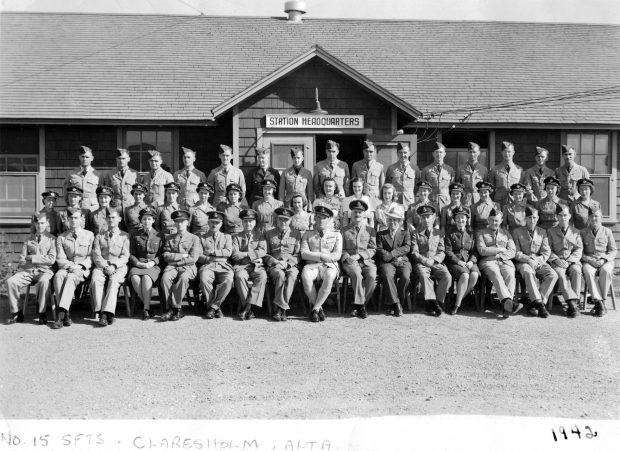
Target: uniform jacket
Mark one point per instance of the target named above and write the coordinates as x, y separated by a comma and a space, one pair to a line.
164, 222
425, 248
388, 249
199, 221
221, 177
265, 208
216, 249
188, 195
97, 221
42, 251
296, 182
335, 204
414, 219
144, 247
345, 212
469, 175
534, 246
121, 186
487, 245
232, 222
362, 242
70, 249
178, 244
460, 246
53, 216
502, 180
567, 247
534, 180
404, 182
579, 212
88, 183
155, 182
546, 210
111, 249
513, 215
340, 173
568, 180
282, 246
132, 218
599, 245
440, 179
313, 246
248, 247
446, 221
256, 177
480, 213
64, 220
373, 176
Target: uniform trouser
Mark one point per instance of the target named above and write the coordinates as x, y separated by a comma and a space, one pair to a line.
437, 272
41, 279
65, 284
258, 276
283, 285
599, 290
363, 280
501, 275
105, 300
570, 281
223, 279
175, 282
400, 270
318, 271
547, 276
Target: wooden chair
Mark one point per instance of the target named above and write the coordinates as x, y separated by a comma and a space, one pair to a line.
584, 299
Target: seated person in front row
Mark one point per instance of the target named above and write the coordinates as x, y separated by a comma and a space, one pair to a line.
216, 249
282, 260
110, 258
358, 248
320, 249
393, 247
145, 248
427, 254
249, 248
461, 257
73, 257
532, 253
180, 252
34, 268
496, 249
599, 253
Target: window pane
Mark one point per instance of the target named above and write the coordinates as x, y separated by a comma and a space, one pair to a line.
458, 157
133, 141
587, 144
588, 162
31, 164
572, 140
144, 162
19, 140
17, 195
602, 193
164, 141
281, 155
149, 140
601, 145
2, 164
14, 164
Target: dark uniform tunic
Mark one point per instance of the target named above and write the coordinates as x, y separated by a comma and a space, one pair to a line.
546, 211
145, 247
579, 212
480, 214
132, 218
164, 222
513, 216
255, 188
232, 222
198, 222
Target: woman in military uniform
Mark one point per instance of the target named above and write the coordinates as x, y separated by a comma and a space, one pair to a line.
163, 221
386, 195
132, 213
580, 207
232, 209
74, 199
302, 219
266, 204
414, 220
330, 198
98, 222
446, 221
481, 209
514, 211
199, 221
548, 206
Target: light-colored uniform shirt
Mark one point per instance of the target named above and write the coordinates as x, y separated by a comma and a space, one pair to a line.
339, 171
469, 175
155, 182
121, 187
188, 180
404, 180
221, 177
75, 249
534, 180
111, 249
502, 180
294, 181
373, 175
568, 180
440, 177
88, 183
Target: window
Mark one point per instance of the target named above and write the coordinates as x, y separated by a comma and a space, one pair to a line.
456, 157
19, 172
139, 142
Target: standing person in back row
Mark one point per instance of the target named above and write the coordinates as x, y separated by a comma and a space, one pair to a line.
440, 176
297, 180
333, 168
569, 174
534, 177
505, 174
262, 171
403, 176
122, 182
370, 171
224, 175
156, 180
85, 178
188, 178
470, 173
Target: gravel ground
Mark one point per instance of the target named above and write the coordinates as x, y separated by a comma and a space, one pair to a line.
472, 363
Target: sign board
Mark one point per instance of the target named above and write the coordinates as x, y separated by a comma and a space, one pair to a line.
314, 121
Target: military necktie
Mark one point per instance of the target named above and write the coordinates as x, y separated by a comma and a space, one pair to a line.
508, 169
427, 233
74, 235
540, 171
438, 169
187, 174
38, 238
84, 172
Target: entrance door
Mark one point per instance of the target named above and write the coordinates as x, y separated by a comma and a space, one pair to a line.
280, 146
350, 147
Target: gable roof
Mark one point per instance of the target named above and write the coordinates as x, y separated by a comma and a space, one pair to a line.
182, 68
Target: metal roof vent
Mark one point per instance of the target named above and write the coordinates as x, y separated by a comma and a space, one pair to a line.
295, 9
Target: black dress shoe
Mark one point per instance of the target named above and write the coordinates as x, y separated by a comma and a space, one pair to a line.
176, 315
599, 309
250, 315
362, 313
533, 311
572, 311
218, 313
453, 309
42, 318
57, 324
166, 316
277, 316
20, 317
542, 311
314, 316
111, 318
398, 310
103, 320
145, 315
283, 315
67, 321
12, 319
322, 314
210, 314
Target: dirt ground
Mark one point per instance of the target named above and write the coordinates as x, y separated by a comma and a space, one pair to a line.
472, 363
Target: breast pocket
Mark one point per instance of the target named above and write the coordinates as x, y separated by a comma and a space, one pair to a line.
152, 246
82, 250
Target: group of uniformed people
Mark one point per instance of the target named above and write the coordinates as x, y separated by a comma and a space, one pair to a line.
172, 229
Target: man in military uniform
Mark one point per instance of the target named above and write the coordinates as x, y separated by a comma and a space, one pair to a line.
180, 252
334, 168
321, 249
534, 177
565, 259
497, 249
86, 178
34, 268
188, 179
414, 220
481, 209
261, 172
505, 174
568, 174
164, 222
74, 199
53, 216
110, 258
122, 182
359, 244
232, 209
428, 254
369, 170
393, 247
548, 205
249, 248
532, 252
599, 253
282, 260
470, 173
265, 205
73, 257
439, 175
296, 179
215, 269
156, 180
403, 176
198, 223
132, 213
97, 219
225, 174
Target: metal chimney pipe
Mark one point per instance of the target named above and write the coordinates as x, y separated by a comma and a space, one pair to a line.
295, 9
